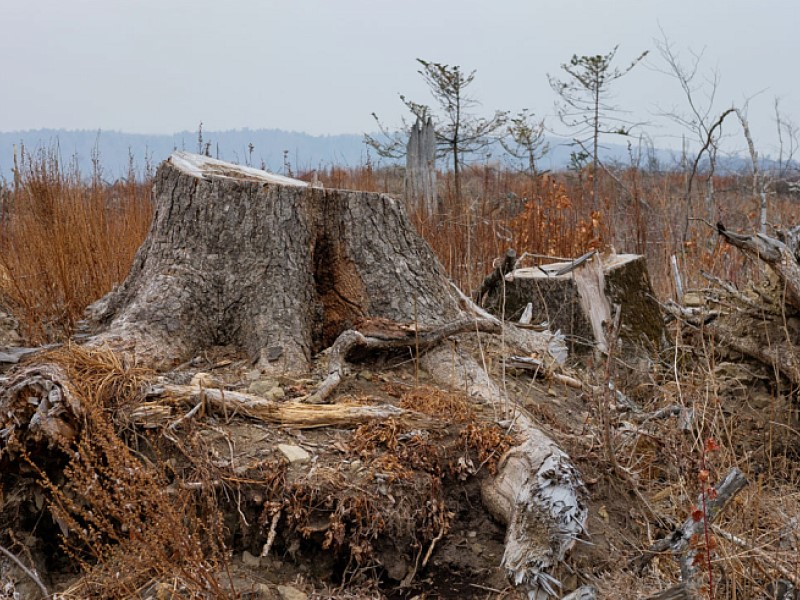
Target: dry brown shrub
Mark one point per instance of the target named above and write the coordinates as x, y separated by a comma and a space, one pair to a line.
443, 404
121, 520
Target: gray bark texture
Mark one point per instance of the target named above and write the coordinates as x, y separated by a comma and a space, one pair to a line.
421, 167
237, 256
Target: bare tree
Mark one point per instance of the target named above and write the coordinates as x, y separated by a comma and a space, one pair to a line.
585, 106
458, 131
525, 140
700, 116
787, 140
760, 179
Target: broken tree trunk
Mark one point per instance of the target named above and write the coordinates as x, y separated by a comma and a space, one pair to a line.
578, 298
421, 167
538, 494
238, 256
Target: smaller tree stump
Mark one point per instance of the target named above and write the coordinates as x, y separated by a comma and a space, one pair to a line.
580, 301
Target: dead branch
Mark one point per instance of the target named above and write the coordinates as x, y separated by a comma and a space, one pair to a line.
493, 279
773, 252
293, 414
415, 340
29, 572
680, 541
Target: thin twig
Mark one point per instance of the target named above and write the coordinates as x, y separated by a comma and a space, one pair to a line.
34, 577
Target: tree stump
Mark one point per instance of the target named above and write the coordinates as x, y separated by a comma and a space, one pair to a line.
238, 256
579, 299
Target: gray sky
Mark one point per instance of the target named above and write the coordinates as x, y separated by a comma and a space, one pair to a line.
322, 66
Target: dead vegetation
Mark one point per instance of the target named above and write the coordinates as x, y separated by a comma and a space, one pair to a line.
156, 488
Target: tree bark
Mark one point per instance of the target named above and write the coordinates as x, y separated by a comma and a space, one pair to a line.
237, 256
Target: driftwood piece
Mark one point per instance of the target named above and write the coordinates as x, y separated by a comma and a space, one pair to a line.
291, 414
680, 542
537, 493
415, 341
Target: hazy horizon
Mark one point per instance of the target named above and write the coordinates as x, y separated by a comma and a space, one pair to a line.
147, 67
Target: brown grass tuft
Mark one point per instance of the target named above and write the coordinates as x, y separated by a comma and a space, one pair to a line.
64, 243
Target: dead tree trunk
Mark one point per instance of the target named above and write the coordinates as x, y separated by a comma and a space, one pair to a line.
421, 167
237, 256
761, 321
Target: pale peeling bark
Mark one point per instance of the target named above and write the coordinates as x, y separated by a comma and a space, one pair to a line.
537, 493
236, 256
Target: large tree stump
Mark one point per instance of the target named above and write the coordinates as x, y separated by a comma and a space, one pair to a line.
579, 299
238, 256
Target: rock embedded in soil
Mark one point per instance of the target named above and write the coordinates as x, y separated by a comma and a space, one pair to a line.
288, 592
294, 454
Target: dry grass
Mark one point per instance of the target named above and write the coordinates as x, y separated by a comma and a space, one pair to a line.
64, 243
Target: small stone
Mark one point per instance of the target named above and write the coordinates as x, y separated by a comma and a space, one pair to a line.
294, 454
248, 560
202, 379
288, 592
264, 591
276, 393
262, 387
476, 549
253, 375
570, 581
472, 534
365, 375
603, 513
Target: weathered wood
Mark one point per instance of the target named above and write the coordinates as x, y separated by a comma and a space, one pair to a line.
679, 543
493, 279
239, 256
537, 493
420, 182
578, 300
374, 341
780, 258
298, 415
586, 592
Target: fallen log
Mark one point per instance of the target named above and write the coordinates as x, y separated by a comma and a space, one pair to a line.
777, 255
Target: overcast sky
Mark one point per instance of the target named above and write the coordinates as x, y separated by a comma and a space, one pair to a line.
322, 66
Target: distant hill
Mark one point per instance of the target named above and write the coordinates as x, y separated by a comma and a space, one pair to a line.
302, 151
271, 148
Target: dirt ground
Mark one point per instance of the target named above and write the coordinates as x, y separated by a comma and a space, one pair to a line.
390, 510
